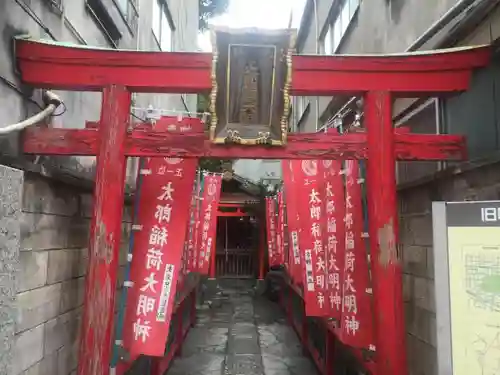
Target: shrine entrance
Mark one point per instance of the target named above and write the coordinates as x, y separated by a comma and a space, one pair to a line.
251, 77
238, 249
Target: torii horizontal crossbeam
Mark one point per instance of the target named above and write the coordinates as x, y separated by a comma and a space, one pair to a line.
147, 143
52, 65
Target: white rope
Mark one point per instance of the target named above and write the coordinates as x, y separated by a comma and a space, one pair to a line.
54, 101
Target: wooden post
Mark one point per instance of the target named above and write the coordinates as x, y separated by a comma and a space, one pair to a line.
383, 228
105, 234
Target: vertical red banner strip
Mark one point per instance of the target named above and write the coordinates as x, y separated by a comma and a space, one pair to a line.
208, 221
292, 221
310, 196
196, 231
271, 231
158, 248
192, 225
334, 235
357, 319
280, 228
159, 244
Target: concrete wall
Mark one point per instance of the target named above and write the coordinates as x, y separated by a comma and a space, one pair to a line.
385, 26
53, 260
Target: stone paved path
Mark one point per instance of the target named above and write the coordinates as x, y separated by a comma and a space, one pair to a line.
241, 335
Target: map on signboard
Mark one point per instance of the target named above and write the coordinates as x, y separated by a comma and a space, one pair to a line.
474, 272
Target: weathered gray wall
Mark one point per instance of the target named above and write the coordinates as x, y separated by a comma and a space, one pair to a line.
380, 26
385, 26
55, 222
11, 183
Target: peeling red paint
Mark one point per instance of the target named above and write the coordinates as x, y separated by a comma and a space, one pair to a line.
387, 243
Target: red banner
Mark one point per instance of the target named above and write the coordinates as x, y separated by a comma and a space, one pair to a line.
193, 227
334, 234
160, 221
280, 230
357, 325
208, 221
292, 221
158, 247
195, 250
310, 196
271, 231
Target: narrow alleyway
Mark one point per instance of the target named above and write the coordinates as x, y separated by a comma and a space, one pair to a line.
238, 333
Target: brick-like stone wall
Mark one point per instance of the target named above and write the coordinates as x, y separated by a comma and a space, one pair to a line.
53, 261
479, 183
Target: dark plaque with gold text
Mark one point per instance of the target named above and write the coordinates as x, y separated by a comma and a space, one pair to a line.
251, 79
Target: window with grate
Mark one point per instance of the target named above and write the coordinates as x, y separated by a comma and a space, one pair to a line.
162, 25
99, 12
425, 119
55, 5
338, 25
128, 10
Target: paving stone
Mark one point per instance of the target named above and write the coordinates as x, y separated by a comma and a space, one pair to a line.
244, 364
241, 335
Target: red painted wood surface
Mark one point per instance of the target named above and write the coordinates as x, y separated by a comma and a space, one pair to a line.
72, 68
383, 228
410, 75
83, 142
89, 69
105, 235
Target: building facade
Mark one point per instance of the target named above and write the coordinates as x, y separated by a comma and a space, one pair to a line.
389, 26
57, 191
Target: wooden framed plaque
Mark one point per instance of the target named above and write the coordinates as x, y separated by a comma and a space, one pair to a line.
251, 78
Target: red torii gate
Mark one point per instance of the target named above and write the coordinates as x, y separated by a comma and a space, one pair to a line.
118, 73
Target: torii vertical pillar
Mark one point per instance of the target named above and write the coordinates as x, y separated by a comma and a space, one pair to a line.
382, 211
105, 234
